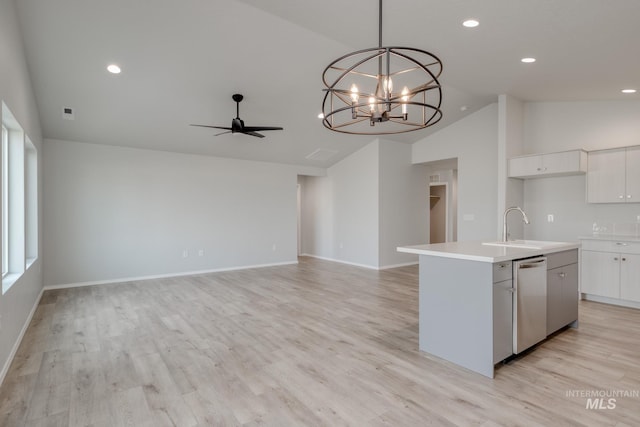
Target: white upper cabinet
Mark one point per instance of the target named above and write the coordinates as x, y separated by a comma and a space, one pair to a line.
613, 176
551, 164
633, 174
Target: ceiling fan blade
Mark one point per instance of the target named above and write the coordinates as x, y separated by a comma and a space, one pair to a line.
261, 128
252, 133
214, 127
222, 133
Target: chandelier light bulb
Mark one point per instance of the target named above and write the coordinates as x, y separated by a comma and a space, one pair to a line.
388, 86
354, 93
372, 103
405, 99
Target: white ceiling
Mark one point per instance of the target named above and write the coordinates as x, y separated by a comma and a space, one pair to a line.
182, 61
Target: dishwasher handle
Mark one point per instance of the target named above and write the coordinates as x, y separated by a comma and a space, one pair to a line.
533, 264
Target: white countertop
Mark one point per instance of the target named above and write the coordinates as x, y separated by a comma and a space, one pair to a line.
611, 237
476, 251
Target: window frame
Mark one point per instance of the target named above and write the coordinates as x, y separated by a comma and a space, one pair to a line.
5, 200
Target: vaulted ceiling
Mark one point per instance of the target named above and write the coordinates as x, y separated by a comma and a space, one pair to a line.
182, 60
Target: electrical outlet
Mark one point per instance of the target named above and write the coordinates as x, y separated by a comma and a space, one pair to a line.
550, 218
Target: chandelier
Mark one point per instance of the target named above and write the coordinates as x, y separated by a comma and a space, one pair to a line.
361, 90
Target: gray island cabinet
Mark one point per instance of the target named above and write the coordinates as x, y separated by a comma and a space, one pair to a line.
467, 303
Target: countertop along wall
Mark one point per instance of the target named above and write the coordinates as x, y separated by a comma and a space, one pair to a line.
560, 126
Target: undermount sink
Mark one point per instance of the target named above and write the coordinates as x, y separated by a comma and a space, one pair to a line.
524, 244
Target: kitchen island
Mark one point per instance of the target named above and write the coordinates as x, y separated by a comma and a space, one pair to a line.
468, 300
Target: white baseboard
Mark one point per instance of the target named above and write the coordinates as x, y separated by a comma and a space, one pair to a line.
406, 264
613, 301
14, 350
163, 276
370, 267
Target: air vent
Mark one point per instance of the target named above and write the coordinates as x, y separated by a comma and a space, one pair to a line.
434, 178
67, 113
321, 154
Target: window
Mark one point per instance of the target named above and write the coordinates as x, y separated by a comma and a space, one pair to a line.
5, 200
19, 200
31, 202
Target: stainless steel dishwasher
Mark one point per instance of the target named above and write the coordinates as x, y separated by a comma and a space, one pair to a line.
529, 302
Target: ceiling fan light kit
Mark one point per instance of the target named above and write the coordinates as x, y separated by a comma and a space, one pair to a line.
237, 124
394, 86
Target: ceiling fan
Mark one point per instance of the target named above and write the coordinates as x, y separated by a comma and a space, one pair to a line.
237, 124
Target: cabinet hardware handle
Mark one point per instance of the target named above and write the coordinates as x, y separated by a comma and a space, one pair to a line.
563, 275
621, 244
628, 196
624, 259
621, 197
615, 258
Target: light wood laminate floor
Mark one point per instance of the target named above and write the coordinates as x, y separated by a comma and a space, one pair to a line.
314, 344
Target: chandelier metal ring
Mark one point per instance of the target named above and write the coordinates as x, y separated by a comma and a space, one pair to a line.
359, 90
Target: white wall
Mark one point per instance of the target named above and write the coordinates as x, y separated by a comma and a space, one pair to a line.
559, 126
15, 90
450, 177
404, 203
368, 204
355, 210
317, 216
474, 142
114, 213
510, 144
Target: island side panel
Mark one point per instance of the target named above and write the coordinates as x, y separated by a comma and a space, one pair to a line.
455, 311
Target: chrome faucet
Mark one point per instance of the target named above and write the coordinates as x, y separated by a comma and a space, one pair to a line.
505, 235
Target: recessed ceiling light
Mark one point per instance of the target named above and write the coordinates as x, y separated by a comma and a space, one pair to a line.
471, 23
628, 91
114, 69
528, 60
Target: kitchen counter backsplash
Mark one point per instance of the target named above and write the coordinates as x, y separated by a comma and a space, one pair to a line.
616, 228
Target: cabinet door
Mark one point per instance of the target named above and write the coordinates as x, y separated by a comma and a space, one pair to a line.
630, 277
562, 297
569, 310
502, 320
606, 176
525, 166
601, 274
562, 163
633, 175
554, 300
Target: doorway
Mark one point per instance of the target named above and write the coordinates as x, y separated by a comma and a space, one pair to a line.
438, 212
